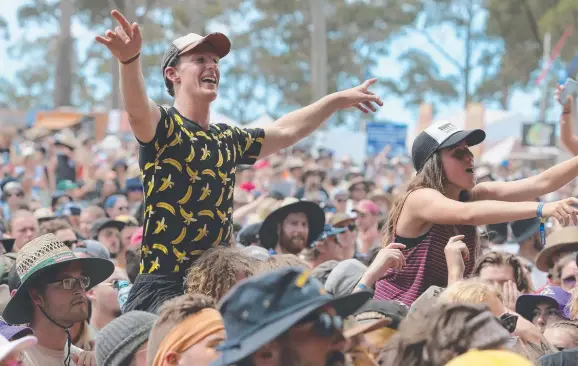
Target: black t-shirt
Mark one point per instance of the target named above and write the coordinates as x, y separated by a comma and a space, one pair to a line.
188, 179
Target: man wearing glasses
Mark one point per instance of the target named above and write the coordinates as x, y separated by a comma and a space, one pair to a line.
52, 298
285, 317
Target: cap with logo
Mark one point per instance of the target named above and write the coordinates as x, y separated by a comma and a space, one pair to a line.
552, 295
179, 46
441, 135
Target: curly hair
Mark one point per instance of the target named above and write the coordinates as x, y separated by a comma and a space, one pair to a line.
217, 271
441, 333
174, 312
279, 261
505, 259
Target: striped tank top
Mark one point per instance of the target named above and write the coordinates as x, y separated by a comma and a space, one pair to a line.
425, 264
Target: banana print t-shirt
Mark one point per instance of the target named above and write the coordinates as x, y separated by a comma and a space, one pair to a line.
188, 178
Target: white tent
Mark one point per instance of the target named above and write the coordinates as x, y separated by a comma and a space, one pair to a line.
263, 120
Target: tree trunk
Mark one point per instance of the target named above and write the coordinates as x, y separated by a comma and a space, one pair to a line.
63, 79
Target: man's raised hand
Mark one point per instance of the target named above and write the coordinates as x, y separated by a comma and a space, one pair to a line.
125, 41
359, 97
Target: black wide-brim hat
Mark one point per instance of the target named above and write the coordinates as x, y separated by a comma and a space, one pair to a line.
34, 259
315, 218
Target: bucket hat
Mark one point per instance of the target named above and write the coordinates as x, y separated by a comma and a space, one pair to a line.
563, 239
261, 308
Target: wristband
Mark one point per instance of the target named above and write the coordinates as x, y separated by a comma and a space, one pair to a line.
132, 59
542, 223
362, 287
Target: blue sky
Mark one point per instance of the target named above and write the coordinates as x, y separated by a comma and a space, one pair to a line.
392, 110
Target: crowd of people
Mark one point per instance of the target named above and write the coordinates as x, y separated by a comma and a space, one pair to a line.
199, 243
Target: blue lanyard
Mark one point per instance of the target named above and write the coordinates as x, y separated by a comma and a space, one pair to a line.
542, 224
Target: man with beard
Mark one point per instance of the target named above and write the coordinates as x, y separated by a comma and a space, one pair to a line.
52, 298
292, 227
285, 318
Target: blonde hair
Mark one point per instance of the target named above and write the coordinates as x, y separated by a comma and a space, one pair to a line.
471, 291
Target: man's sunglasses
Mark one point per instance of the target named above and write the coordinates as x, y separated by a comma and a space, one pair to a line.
350, 227
324, 324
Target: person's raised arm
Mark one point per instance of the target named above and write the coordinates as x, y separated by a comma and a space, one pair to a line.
125, 44
529, 188
429, 205
567, 137
293, 127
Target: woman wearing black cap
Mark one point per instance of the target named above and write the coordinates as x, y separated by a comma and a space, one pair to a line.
443, 201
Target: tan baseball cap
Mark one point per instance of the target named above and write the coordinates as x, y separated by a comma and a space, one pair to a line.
184, 44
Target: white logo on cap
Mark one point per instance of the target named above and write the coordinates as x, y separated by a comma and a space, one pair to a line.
441, 131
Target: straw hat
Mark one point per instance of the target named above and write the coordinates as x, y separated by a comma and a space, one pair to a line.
35, 258
563, 240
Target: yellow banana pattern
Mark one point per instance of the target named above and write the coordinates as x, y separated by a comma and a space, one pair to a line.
167, 207
161, 247
186, 197
174, 163
188, 180
179, 239
167, 184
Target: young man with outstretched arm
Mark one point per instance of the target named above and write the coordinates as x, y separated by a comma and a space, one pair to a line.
188, 164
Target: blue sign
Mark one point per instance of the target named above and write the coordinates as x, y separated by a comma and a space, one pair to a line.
382, 133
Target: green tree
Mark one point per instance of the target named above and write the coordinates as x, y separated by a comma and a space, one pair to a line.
273, 48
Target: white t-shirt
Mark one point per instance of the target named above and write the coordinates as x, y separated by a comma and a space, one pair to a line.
40, 356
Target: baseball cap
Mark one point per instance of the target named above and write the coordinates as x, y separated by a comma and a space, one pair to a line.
366, 207
441, 135
553, 295
187, 43
102, 223
330, 230
249, 234
92, 248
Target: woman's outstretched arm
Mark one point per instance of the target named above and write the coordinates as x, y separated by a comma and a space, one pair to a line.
430, 206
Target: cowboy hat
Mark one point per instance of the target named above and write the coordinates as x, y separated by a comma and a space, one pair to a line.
315, 218
562, 240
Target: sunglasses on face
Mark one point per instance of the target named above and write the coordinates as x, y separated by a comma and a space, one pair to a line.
569, 281
324, 324
71, 283
462, 154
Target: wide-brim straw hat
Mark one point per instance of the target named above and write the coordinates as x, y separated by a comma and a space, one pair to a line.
34, 259
562, 240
